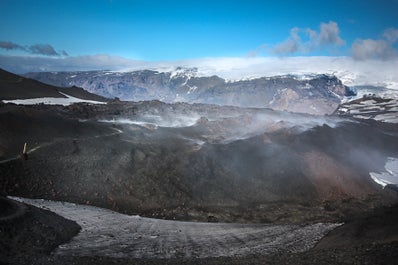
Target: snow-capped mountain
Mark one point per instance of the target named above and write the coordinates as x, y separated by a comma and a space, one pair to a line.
316, 94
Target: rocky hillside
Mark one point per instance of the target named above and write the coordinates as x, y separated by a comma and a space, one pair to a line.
13, 87
17, 87
318, 94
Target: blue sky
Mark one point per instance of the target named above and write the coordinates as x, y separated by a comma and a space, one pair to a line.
58, 35
173, 30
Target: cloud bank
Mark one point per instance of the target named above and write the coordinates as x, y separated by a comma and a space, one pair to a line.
307, 40
383, 48
39, 49
8, 45
24, 64
391, 35
350, 71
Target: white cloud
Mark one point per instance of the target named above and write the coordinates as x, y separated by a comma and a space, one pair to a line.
290, 45
391, 35
329, 34
377, 49
257, 51
306, 40
373, 49
287, 47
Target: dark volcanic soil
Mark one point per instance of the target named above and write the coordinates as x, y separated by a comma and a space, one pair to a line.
366, 239
204, 163
233, 165
26, 231
379, 254
38, 126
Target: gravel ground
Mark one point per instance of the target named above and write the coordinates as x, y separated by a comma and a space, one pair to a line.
110, 234
383, 254
283, 177
367, 239
31, 232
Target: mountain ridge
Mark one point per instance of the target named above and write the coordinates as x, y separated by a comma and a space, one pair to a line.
314, 94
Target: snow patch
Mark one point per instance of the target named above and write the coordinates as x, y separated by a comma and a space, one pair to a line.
390, 176
52, 101
184, 72
192, 89
155, 121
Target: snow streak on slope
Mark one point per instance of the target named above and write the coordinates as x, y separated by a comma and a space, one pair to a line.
52, 101
174, 121
390, 176
111, 234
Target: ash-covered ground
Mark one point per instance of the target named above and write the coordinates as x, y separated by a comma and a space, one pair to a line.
110, 234
198, 162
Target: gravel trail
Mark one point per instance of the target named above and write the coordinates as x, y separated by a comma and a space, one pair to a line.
110, 234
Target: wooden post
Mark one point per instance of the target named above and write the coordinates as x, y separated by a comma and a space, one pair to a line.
24, 152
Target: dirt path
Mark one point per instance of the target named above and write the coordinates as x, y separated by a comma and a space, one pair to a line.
29, 151
111, 234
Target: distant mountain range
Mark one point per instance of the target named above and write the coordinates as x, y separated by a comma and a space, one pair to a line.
316, 94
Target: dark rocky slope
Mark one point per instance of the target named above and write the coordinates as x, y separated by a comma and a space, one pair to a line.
18, 87
37, 126
27, 232
232, 165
